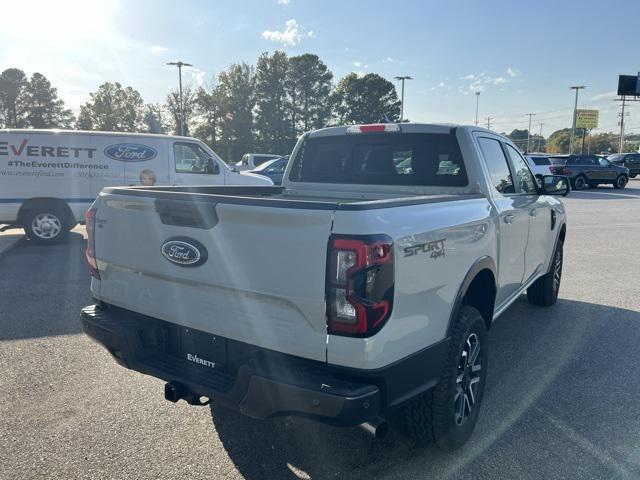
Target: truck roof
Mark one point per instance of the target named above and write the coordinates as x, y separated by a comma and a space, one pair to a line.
55, 131
408, 127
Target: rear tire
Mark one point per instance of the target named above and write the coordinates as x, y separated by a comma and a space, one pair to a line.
544, 291
46, 225
579, 183
446, 415
620, 182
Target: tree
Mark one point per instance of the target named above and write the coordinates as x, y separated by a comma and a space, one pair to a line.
558, 141
153, 119
272, 106
188, 108
235, 96
12, 82
365, 99
41, 107
208, 109
309, 88
536, 142
112, 108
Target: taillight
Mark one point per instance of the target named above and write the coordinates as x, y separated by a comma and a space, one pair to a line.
90, 253
360, 282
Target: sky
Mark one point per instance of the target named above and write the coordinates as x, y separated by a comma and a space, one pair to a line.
521, 56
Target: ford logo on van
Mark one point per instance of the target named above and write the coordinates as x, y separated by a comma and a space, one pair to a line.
184, 251
130, 152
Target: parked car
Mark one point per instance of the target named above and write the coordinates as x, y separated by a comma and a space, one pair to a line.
539, 164
252, 160
358, 289
629, 160
589, 170
48, 178
274, 169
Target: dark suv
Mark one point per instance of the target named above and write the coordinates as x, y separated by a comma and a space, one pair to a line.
629, 160
590, 170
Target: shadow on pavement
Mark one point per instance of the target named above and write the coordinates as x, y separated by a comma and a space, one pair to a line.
554, 393
42, 289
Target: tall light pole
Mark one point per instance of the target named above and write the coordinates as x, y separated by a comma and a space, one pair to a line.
402, 78
180, 64
575, 113
531, 115
477, 104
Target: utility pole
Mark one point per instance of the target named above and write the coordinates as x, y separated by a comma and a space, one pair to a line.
540, 137
529, 131
402, 78
575, 113
621, 144
180, 64
477, 104
488, 123
584, 132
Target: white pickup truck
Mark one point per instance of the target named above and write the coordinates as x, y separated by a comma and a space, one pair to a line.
364, 285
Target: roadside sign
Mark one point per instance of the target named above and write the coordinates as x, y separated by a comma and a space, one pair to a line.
587, 118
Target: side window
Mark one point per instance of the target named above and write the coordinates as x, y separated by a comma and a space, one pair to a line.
524, 178
497, 165
191, 158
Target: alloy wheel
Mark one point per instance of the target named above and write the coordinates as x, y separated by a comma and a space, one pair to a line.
46, 226
557, 270
468, 379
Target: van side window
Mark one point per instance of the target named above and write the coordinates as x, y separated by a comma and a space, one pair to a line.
497, 165
191, 158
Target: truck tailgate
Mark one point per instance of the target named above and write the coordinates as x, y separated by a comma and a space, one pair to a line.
263, 280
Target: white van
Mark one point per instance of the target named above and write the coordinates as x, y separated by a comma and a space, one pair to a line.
48, 178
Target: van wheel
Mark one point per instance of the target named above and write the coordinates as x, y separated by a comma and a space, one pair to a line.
46, 226
620, 182
446, 415
544, 291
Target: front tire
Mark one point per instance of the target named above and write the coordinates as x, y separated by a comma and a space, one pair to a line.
446, 415
544, 291
46, 226
579, 183
620, 182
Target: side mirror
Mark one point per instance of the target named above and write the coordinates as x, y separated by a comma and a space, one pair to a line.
555, 185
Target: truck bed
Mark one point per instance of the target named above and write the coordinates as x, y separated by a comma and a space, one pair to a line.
277, 197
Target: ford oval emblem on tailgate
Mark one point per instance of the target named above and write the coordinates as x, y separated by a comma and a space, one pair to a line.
184, 251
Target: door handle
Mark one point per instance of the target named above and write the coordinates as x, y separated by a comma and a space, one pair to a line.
508, 218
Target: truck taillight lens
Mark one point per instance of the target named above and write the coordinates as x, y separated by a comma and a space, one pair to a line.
90, 219
360, 281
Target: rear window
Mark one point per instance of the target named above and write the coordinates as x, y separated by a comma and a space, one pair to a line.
420, 159
541, 161
260, 159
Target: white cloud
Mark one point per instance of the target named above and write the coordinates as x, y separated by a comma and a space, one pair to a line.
283, 2
388, 60
346, 49
438, 86
311, 34
360, 65
196, 75
289, 36
605, 96
500, 80
158, 49
513, 72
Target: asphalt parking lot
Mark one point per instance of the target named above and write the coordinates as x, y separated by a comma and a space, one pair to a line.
562, 398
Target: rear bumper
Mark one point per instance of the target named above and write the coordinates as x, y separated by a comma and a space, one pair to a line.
262, 383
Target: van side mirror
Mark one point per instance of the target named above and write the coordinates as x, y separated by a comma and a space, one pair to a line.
555, 185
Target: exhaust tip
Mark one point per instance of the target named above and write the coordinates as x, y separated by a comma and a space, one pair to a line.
378, 428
